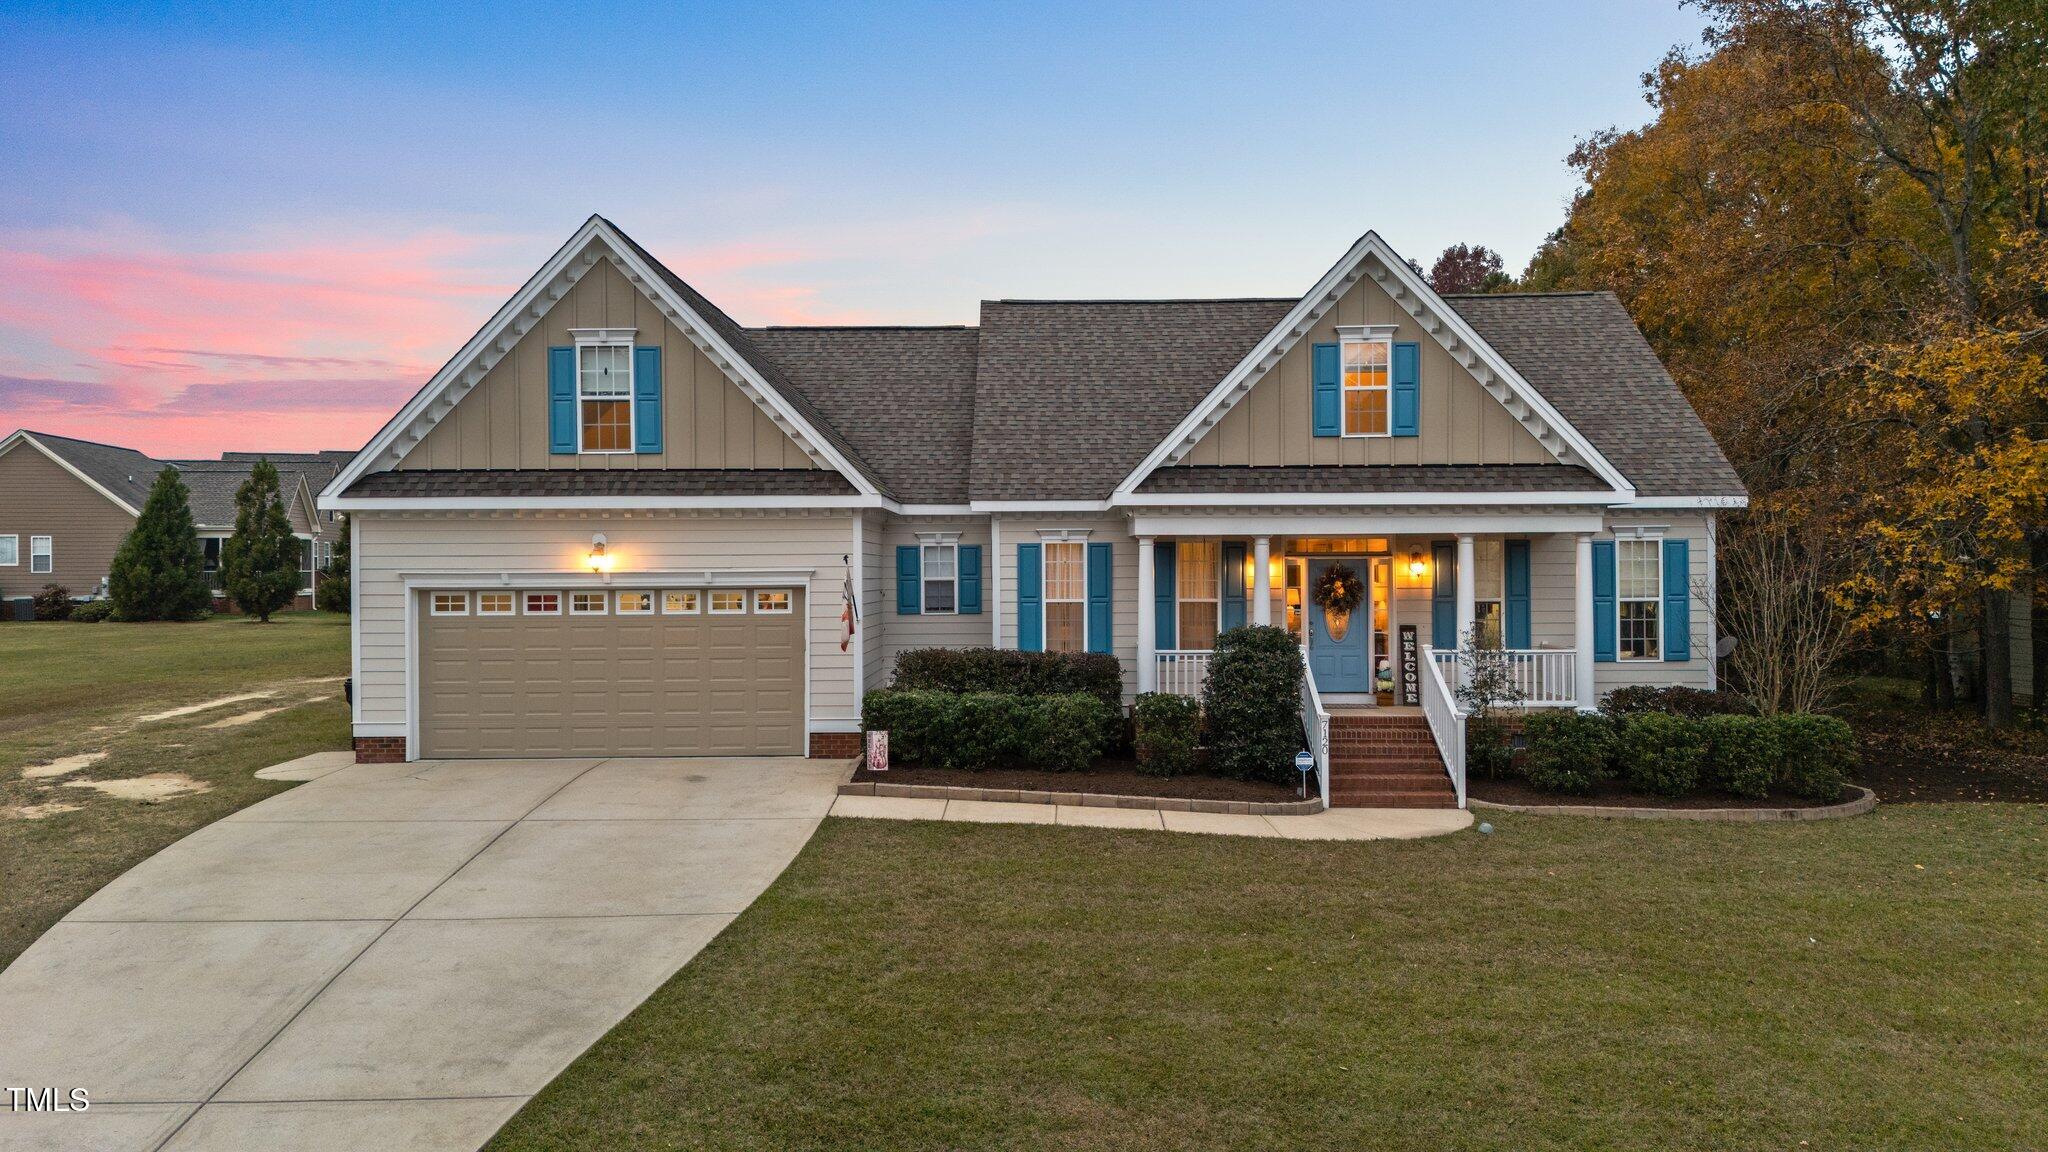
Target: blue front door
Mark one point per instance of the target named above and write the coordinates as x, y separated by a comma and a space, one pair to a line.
1340, 663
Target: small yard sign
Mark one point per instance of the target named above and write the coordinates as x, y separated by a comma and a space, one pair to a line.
1411, 667
878, 751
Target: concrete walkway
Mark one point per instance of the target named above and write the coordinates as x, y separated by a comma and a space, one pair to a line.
389, 956
1335, 824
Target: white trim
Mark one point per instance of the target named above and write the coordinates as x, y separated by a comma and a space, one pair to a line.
1717, 502
856, 563
49, 554
605, 338
1355, 499
14, 546
1449, 329
929, 509
1383, 340
354, 536
937, 540
597, 502
788, 606
25, 437
1642, 534
1039, 506
835, 724
1045, 600
1284, 524
1052, 535
513, 610
552, 579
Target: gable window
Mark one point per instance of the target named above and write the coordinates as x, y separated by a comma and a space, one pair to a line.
941, 580
10, 551
1367, 362
1198, 584
1639, 595
1066, 595
42, 554
604, 396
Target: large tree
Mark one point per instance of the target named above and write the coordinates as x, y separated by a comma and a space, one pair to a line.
260, 563
1468, 268
158, 572
333, 592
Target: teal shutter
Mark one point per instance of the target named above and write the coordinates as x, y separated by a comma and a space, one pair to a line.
1328, 407
970, 579
1443, 597
562, 401
1165, 596
1407, 389
1233, 586
1604, 620
1677, 600
909, 581
1100, 607
1516, 634
1030, 608
646, 399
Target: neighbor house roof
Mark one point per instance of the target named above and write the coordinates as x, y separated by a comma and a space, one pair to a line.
604, 482
122, 471
211, 485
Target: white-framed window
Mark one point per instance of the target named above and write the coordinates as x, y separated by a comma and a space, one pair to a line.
940, 563
543, 603
1066, 596
1197, 578
308, 565
42, 554
1639, 598
1489, 589
1368, 394
727, 602
10, 551
684, 602
604, 394
494, 603
587, 603
772, 601
449, 604
636, 603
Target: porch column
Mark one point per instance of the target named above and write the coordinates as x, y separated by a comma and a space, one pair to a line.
1468, 610
1261, 590
1582, 619
1148, 639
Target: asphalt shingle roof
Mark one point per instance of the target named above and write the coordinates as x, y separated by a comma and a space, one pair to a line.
123, 471
605, 482
212, 484
1521, 478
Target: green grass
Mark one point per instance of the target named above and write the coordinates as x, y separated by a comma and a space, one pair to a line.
1563, 983
71, 688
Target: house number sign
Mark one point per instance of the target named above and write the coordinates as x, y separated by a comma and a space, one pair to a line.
1411, 667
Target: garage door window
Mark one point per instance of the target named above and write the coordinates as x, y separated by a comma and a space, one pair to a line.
772, 602
450, 604
679, 603
636, 603
494, 603
728, 603
543, 603
586, 603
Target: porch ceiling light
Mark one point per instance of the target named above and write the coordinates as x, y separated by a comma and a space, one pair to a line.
1417, 566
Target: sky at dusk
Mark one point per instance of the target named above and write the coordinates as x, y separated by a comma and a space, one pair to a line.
247, 228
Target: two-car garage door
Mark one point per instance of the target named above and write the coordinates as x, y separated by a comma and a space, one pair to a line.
636, 672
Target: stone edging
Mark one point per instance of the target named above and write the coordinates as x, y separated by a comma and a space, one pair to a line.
1085, 799
1864, 802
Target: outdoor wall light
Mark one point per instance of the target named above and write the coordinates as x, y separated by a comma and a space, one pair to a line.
599, 560
1417, 566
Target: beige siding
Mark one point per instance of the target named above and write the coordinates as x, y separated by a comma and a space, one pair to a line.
388, 547
39, 497
1694, 673
1114, 531
930, 630
707, 422
874, 615
1459, 422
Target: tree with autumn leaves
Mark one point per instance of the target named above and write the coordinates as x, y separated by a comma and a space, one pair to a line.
1835, 231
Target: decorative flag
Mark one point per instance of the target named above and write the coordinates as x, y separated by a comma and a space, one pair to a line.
849, 612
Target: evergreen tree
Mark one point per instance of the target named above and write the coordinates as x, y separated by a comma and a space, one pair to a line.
158, 571
260, 563
333, 592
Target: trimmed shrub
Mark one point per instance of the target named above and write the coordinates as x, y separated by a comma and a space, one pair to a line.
1487, 750
1168, 727
1012, 672
1819, 753
1567, 751
54, 603
1661, 753
92, 612
1691, 703
1252, 702
1747, 755
980, 730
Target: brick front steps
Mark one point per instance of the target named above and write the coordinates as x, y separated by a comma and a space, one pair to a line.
1386, 761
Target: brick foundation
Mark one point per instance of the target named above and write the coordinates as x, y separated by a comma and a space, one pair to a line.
380, 749
831, 745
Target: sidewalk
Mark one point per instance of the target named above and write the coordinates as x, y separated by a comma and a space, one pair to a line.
1335, 824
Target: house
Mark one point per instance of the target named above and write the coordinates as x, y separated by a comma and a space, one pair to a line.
618, 522
66, 505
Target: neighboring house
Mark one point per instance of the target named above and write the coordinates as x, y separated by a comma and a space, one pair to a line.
619, 523
66, 505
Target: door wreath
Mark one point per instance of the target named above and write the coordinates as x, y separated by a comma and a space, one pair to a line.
1339, 592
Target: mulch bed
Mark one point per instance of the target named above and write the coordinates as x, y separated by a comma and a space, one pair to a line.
1111, 778
1612, 795
1914, 756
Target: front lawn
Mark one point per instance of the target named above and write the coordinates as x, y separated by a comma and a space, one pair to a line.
69, 689
1564, 983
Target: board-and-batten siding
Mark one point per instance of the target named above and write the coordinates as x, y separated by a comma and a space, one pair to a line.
929, 630
1115, 531
39, 497
1459, 422
389, 547
707, 422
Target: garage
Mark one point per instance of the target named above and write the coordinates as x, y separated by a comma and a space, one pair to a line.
600, 672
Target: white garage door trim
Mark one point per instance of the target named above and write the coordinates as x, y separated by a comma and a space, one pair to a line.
415, 583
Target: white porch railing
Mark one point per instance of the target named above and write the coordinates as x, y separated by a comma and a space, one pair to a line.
1315, 721
1544, 677
1183, 671
1446, 721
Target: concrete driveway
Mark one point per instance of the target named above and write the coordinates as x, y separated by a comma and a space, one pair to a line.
391, 956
